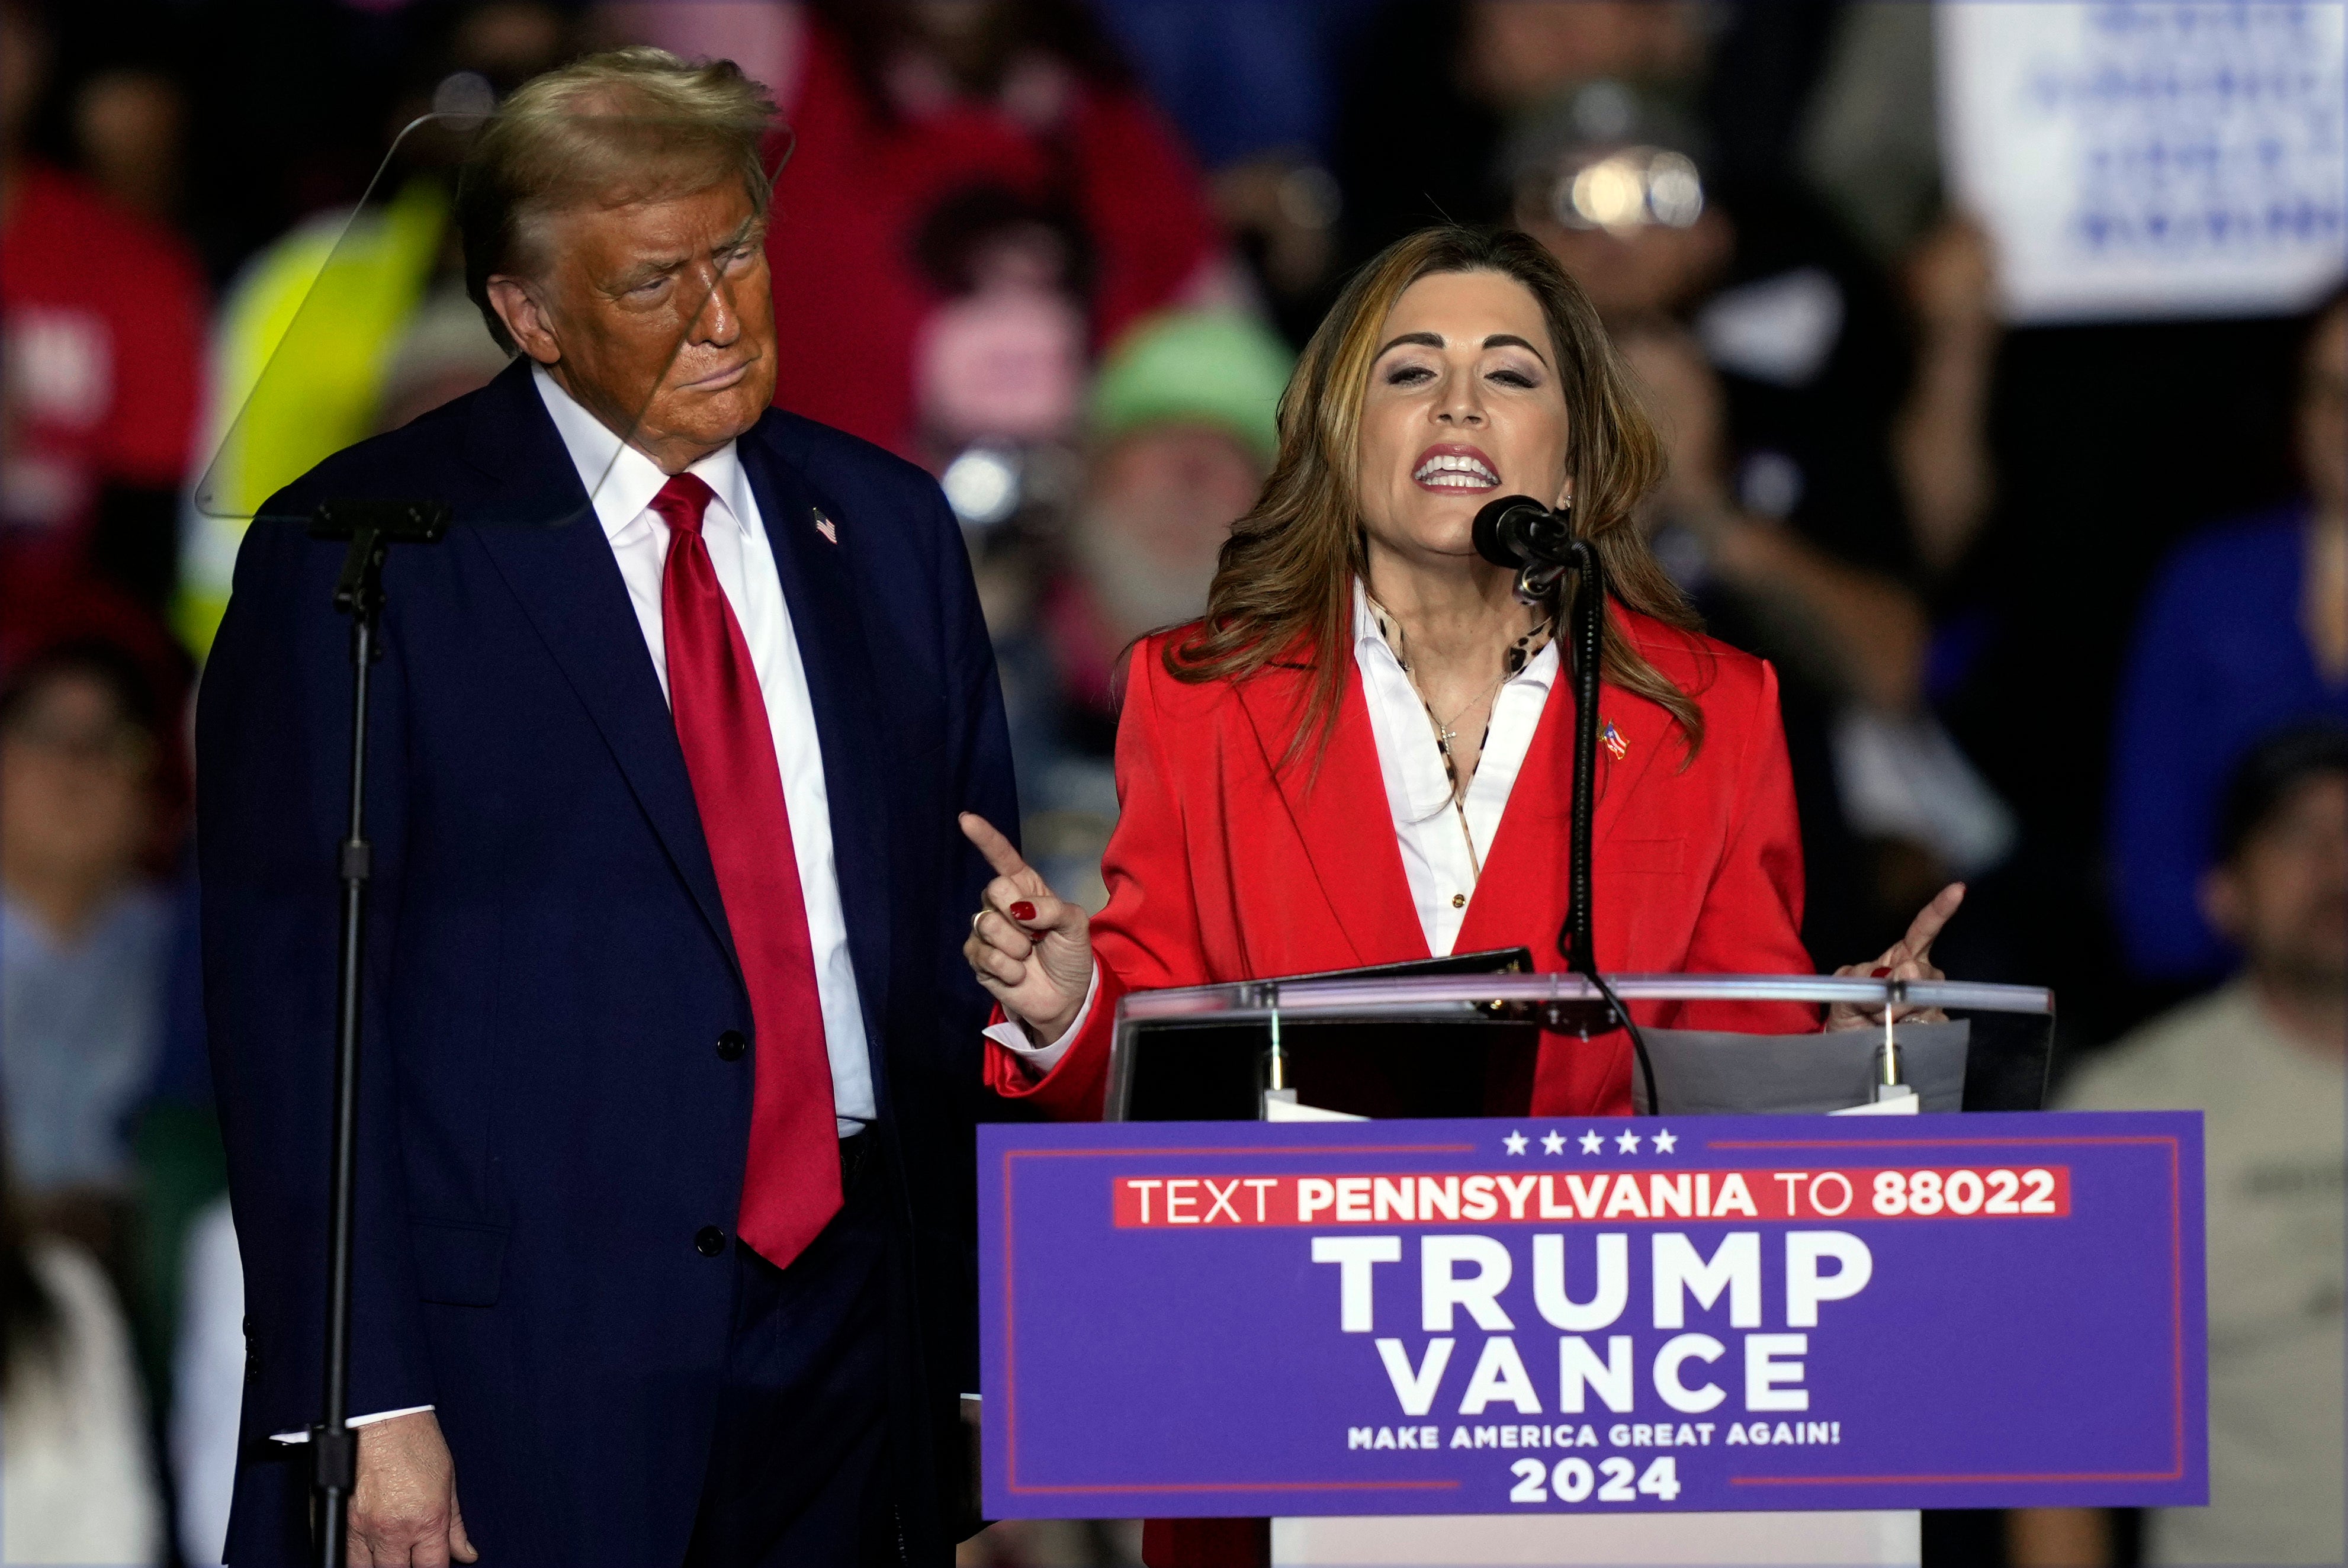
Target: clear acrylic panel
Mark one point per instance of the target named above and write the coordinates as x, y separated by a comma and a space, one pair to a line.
1449, 997
1465, 1044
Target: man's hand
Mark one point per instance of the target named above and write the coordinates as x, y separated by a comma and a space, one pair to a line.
404, 1512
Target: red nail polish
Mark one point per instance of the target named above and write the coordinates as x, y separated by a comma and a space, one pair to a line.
1023, 910
1881, 971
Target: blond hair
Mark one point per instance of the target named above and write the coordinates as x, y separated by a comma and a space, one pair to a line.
1283, 587
624, 126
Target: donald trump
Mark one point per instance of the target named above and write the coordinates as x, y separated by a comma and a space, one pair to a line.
663, 1247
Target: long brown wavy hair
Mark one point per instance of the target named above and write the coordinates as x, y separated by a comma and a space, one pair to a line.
1284, 584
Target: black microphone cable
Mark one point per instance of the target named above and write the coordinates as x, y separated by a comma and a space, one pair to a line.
1540, 544
1574, 938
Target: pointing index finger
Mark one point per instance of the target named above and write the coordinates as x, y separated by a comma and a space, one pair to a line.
991, 844
1926, 926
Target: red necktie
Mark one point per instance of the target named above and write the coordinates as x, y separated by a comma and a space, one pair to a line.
791, 1185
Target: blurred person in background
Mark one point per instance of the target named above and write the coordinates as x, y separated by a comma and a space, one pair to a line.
1890, 810
101, 313
2246, 627
1180, 436
1771, 346
191, 1317
387, 331
2037, 456
976, 189
1252, 84
1588, 131
1855, 631
2261, 1060
75, 1482
1867, 136
1053, 1543
85, 935
1624, 187
1434, 89
1432, 92
1940, 434
208, 1363
1774, 346
131, 127
1003, 359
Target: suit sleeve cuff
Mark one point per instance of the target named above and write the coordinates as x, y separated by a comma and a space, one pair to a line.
1037, 1060
301, 1435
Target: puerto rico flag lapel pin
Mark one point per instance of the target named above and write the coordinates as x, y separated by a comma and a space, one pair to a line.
824, 526
1614, 741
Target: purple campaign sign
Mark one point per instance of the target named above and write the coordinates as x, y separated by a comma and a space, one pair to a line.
1248, 1319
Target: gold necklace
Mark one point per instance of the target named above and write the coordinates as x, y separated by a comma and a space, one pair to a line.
1445, 734
1445, 730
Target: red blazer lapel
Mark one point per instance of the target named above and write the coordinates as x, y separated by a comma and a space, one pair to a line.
1522, 897
1339, 811
1643, 730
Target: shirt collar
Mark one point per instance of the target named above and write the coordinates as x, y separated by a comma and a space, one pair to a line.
1376, 633
623, 480
1370, 624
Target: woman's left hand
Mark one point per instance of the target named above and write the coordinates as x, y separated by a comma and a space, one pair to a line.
1909, 958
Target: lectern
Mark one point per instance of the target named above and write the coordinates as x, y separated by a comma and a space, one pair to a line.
1450, 1044
1464, 1044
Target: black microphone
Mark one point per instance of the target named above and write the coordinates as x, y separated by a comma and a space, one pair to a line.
1521, 533
1516, 530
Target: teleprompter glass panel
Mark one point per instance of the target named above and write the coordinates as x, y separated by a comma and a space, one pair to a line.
360, 322
1464, 1044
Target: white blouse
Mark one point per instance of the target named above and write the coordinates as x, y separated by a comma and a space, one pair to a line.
1443, 845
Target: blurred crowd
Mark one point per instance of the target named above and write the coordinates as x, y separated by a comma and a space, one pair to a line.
2060, 612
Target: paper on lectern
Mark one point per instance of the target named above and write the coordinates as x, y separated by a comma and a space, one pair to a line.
1706, 1072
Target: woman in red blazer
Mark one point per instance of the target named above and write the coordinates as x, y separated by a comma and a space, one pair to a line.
1260, 833
1274, 761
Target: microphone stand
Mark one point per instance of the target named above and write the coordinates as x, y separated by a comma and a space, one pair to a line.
1519, 531
1574, 940
371, 528
1587, 638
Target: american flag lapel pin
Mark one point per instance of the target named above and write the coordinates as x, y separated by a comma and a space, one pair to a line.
824, 526
1614, 741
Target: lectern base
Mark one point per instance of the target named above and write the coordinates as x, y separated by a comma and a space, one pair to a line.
1882, 1539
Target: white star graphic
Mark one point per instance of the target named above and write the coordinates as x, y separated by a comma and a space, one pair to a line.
1665, 1142
1513, 1143
1591, 1143
1627, 1142
1554, 1143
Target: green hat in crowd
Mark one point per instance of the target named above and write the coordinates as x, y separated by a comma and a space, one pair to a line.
1194, 367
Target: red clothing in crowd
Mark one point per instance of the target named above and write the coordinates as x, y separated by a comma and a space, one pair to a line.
851, 296
102, 329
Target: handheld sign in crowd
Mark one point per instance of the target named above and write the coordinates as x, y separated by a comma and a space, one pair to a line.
2135, 158
1247, 1318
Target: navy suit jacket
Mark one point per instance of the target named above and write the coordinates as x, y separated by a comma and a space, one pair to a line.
546, 1120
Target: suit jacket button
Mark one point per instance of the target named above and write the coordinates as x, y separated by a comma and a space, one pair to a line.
709, 1240
731, 1045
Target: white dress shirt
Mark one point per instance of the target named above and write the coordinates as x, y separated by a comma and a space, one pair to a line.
1428, 828
622, 481
1436, 856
